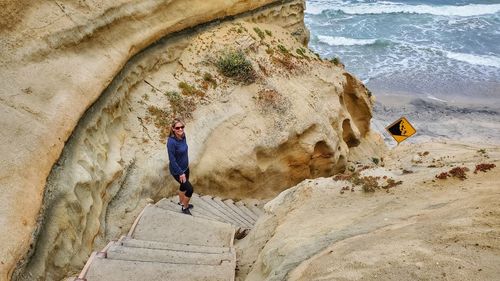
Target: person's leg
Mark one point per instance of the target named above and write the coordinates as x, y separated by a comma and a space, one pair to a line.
188, 193
182, 190
181, 196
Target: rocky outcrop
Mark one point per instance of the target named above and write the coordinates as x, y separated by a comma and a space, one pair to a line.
422, 228
57, 59
296, 117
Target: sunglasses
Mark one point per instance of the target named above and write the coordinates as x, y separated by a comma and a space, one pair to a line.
178, 128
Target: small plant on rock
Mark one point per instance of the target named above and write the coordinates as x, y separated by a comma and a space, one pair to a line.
207, 77
442, 176
369, 184
484, 167
189, 90
234, 64
301, 52
459, 172
161, 119
181, 106
335, 61
270, 99
283, 49
259, 32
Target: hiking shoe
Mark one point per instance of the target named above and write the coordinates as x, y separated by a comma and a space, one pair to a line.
186, 211
190, 206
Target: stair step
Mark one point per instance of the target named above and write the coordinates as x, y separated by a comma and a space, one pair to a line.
208, 199
213, 210
119, 270
204, 209
240, 212
245, 209
119, 252
157, 224
166, 204
228, 210
130, 242
170, 205
208, 210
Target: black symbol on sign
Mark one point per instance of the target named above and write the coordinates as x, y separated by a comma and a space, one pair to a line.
398, 129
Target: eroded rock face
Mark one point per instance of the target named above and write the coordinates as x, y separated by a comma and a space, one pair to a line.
57, 59
299, 117
297, 121
330, 229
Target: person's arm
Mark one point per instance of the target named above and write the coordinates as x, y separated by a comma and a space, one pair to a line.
171, 157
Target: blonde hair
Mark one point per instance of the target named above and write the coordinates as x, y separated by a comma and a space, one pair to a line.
172, 125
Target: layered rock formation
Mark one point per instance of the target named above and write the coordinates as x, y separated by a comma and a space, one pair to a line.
84, 123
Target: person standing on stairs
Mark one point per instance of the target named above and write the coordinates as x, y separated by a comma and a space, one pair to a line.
177, 149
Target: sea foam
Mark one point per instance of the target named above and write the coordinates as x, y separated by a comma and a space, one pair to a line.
390, 7
344, 41
484, 60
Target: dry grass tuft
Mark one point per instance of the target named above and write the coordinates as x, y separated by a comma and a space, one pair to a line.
457, 172
271, 100
368, 183
161, 119
190, 90
181, 106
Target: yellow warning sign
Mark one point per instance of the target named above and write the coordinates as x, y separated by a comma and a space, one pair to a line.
401, 129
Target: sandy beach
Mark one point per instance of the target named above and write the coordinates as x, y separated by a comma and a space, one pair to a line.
434, 119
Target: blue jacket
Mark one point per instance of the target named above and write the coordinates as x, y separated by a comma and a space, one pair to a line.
177, 155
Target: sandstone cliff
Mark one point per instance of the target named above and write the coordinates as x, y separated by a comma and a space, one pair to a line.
417, 228
86, 96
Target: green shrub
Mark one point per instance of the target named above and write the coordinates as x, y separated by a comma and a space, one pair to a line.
282, 49
335, 61
207, 77
301, 52
234, 64
268, 32
259, 32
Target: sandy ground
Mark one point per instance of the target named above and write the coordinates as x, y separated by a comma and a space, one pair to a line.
424, 229
464, 119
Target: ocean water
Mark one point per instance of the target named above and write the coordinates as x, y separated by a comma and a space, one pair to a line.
443, 50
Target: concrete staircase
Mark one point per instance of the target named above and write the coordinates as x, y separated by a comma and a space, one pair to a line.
164, 244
